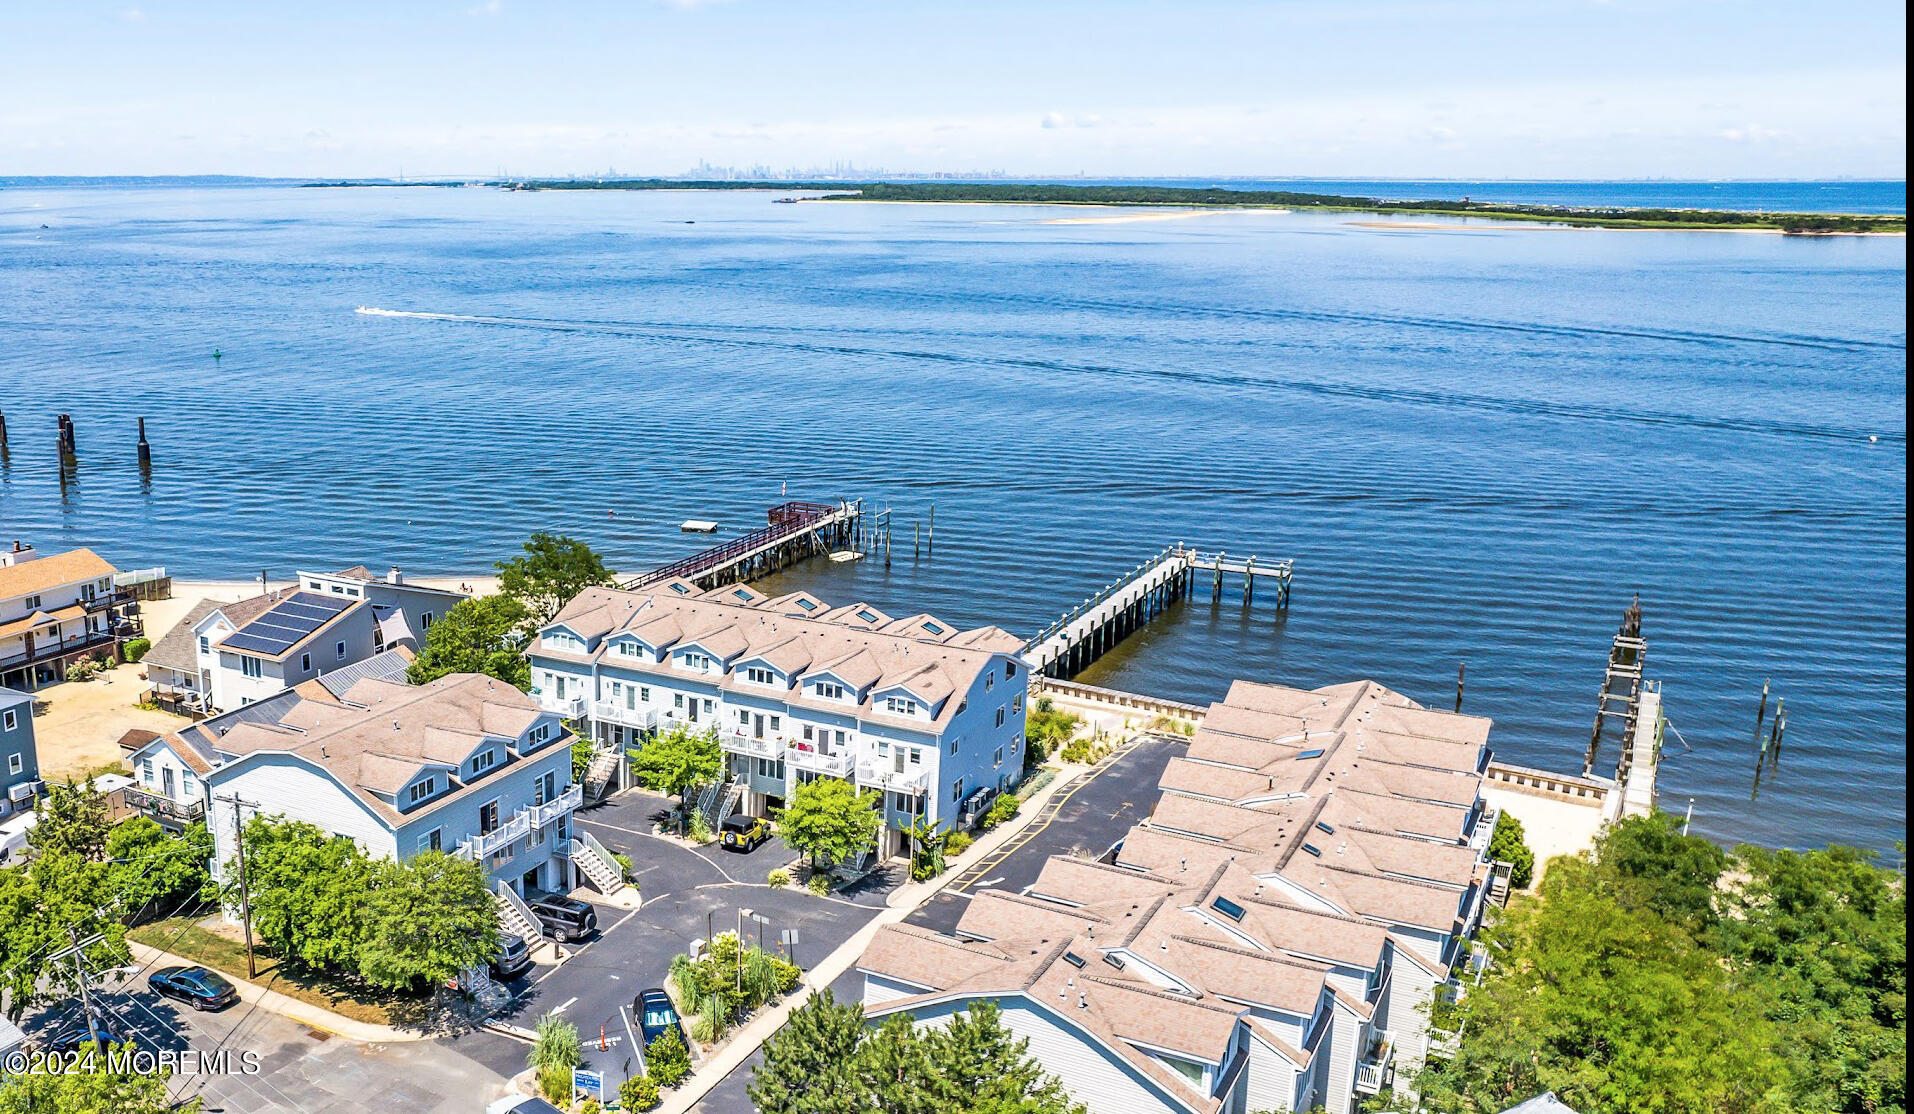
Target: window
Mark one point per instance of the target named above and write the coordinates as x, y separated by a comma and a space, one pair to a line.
777, 723
900, 705
313, 584
867, 615
990, 680
1000, 717
250, 667
484, 760
998, 760
146, 770
840, 738
421, 790
305, 662
189, 783
205, 644
428, 618
1016, 742
953, 746
1016, 704
431, 841
827, 690
759, 676
742, 594
33, 603
10, 719
1313, 850
807, 605
337, 590
1010, 670
1228, 908
707, 707
957, 790
678, 700
1325, 827
488, 817
339, 651
629, 648
933, 628
697, 663
1312, 752
1073, 959
916, 756
807, 732
15, 764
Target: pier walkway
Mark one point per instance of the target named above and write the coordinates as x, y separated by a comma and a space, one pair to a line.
796, 530
1084, 633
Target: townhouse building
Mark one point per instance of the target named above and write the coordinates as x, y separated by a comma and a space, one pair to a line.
54, 610
223, 656
19, 760
1270, 939
467, 764
927, 714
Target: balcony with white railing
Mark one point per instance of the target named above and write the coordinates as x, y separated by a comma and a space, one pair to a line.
612, 711
739, 743
556, 808
1372, 1069
818, 762
883, 775
571, 707
487, 843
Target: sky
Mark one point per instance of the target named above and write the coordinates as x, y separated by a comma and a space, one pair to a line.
1104, 88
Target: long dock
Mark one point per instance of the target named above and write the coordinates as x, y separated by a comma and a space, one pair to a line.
1086, 632
796, 530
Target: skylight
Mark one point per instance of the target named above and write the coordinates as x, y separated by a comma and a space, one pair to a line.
1227, 907
1313, 849
1073, 959
1114, 961
932, 627
867, 615
1323, 826
807, 605
681, 589
1312, 752
742, 593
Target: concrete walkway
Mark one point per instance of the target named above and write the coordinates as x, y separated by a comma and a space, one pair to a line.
316, 1017
903, 901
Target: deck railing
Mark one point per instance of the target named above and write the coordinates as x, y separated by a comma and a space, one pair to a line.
787, 520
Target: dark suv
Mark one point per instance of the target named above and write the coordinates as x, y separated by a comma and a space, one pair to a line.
564, 918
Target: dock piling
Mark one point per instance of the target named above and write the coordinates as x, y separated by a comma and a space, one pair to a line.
146, 449
1461, 670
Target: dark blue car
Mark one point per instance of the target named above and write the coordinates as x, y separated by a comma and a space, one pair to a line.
202, 989
655, 1014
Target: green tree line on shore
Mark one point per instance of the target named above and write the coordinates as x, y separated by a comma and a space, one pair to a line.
1661, 973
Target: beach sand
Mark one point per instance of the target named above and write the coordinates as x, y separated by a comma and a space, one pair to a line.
1176, 214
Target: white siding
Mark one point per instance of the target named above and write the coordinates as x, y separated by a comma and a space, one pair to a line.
1270, 1082
878, 990
286, 786
1344, 1043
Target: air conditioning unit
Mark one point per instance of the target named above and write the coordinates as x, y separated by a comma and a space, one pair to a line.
25, 791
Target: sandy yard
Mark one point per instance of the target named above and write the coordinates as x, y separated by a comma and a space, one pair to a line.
77, 724
1550, 826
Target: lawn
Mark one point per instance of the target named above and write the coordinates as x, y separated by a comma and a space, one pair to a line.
188, 937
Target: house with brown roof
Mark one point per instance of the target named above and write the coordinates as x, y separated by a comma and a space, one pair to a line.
55, 609
1271, 938
927, 714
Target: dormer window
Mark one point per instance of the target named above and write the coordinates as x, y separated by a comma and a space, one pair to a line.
630, 649
484, 760
562, 640
697, 663
422, 790
539, 734
829, 690
900, 705
758, 675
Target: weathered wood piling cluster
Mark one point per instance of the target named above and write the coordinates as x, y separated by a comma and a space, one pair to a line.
67, 446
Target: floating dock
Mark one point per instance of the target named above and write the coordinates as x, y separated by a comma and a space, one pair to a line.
1087, 631
796, 530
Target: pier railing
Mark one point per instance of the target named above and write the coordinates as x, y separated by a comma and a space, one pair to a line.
1091, 602
787, 520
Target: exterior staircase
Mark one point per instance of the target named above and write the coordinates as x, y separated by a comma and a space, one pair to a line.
733, 795
596, 863
712, 800
516, 918
601, 777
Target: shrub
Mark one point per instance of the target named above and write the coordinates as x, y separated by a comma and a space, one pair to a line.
778, 878
1078, 750
712, 1023
136, 648
698, 831
820, 883
625, 867
957, 843
83, 670
1005, 807
1507, 846
638, 1093
590, 1106
556, 1085
667, 1060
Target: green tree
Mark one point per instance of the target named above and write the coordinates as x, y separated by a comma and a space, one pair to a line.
1045, 727
426, 920
553, 570
72, 819
56, 898
983, 1068
1612, 1007
555, 1052
667, 1060
893, 1065
153, 869
830, 821
90, 1092
638, 1092
678, 761
809, 1065
305, 888
1657, 867
1507, 846
486, 635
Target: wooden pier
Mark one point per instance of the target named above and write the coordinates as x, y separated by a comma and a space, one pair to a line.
796, 530
1087, 631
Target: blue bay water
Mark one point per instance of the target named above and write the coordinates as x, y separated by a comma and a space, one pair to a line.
1476, 441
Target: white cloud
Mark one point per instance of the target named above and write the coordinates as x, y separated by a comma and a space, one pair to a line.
490, 7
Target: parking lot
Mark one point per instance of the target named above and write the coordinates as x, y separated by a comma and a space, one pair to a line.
1086, 818
688, 894
299, 1071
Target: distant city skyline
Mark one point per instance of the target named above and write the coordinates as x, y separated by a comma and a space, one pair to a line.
1373, 88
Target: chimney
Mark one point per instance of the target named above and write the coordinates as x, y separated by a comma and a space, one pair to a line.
394, 576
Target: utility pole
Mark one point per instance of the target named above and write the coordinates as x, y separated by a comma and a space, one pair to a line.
79, 969
245, 901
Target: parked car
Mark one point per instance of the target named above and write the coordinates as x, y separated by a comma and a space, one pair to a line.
93, 1031
200, 988
740, 832
564, 918
655, 1014
513, 956
521, 1104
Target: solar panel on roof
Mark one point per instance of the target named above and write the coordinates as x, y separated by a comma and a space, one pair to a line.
286, 624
